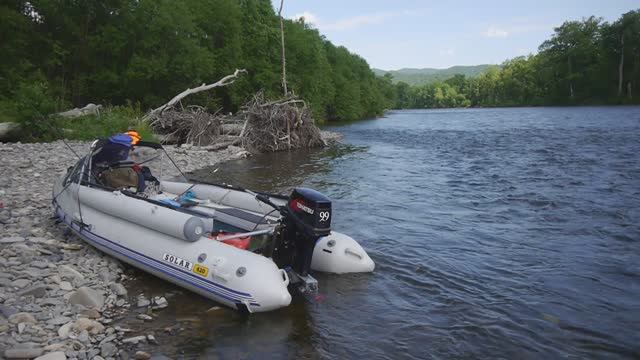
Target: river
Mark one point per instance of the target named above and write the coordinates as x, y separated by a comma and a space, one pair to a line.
497, 233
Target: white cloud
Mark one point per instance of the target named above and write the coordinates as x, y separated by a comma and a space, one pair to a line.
309, 17
515, 28
496, 32
349, 23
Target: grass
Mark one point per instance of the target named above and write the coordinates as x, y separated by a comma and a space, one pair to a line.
112, 120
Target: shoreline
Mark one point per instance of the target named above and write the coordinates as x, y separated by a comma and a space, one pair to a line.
58, 294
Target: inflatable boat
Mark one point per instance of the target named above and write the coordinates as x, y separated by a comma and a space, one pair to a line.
247, 250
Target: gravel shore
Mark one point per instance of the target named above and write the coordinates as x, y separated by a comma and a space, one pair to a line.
59, 297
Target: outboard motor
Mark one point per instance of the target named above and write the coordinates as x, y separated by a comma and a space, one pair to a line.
306, 218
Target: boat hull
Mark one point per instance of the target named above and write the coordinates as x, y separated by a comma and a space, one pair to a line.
223, 273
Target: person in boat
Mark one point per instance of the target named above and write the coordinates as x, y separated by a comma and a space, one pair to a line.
116, 166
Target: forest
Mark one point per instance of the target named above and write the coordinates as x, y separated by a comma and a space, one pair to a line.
587, 62
133, 55
137, 54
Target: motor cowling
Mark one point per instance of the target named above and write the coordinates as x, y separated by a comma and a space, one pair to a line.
306, 219
311, 211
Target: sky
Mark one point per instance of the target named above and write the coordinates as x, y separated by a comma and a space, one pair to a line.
394, 34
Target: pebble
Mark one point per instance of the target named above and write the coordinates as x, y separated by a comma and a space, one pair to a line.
144, 317
135, 339
90, 313
141, 355
20, 283
11, 239
68, 272
92, 326
35, 291
40, 264
56, 355
59, 320
7, 311
160, 302
22, 317
66, 286
118, 289
108, 350
142, 301
87, 297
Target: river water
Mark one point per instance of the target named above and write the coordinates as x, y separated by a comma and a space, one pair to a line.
497, 233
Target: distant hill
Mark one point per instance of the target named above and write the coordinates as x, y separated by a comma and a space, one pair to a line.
429, 75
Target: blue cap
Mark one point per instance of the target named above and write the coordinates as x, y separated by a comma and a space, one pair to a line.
121, 139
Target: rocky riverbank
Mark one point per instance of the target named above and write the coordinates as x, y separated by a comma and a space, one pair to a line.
59, 297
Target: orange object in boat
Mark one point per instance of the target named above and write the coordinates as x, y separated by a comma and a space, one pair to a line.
240, 243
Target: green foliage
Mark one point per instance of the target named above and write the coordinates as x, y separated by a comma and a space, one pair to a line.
112, 120
145, 51
584, 62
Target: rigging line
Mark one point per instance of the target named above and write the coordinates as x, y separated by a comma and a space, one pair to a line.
61, 134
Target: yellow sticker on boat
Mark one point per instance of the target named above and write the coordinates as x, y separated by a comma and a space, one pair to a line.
201, 270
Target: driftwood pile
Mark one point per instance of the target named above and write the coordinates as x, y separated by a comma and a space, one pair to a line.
259, 126
278, 125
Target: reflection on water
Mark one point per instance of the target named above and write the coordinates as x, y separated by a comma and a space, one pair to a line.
278, 172
497, 233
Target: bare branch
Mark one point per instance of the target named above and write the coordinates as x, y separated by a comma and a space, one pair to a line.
227, 80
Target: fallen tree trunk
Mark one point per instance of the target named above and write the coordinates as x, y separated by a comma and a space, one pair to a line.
89, 109
227, 80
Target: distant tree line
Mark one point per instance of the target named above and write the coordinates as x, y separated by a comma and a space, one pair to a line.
59, 54
584, 62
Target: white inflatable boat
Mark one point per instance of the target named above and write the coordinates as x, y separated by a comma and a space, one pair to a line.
249, 251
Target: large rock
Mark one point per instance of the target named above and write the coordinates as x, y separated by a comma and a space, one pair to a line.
22, 353
87, 297
57, 355
91, 326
